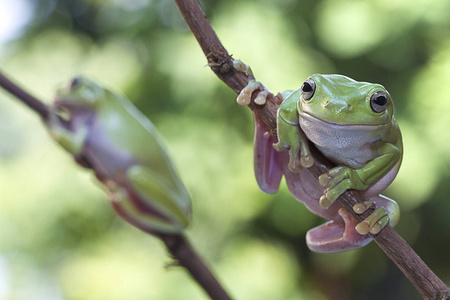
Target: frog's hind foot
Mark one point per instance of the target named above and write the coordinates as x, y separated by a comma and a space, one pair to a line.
336, 236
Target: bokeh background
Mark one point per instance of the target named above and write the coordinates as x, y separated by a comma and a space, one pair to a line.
59, 238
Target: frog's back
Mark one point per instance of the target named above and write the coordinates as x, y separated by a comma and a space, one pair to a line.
138, 141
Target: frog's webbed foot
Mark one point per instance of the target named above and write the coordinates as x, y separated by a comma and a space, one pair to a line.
387, 212
373, 223
245, 95
346, 233
336, 182
337, 235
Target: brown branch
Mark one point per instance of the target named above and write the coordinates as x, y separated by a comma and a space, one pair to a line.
395, 247
32, 102
180, 248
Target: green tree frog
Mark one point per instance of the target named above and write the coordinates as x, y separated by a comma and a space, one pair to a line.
104, 131
352, 124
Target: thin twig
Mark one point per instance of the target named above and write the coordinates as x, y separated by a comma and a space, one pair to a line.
180, 248
32, 102
395, 247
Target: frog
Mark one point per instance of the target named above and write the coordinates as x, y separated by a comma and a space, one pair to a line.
106, 133
352, 124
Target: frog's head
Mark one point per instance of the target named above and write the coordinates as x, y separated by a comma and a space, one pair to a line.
80, 93
340, 100
79, 99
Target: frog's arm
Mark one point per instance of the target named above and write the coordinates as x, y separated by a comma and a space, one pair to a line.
72, 141
343, 178
290, 135
376, 168
159, 195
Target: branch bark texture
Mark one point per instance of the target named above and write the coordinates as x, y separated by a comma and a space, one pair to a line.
395, 247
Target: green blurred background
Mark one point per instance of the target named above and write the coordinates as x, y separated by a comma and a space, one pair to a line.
59, 238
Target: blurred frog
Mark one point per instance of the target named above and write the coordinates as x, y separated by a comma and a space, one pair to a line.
104, 131
352, 124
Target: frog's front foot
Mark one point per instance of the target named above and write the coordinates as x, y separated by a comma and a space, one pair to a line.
245, 95
373, 223
71, 140
336, 182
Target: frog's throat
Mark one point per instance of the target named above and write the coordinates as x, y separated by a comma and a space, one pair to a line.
349, 126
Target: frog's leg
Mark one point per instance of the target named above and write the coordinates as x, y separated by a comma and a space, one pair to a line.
156, 194
143, 219
266, 160
72, 141
343, 234
245, 95
290, 136
343, 178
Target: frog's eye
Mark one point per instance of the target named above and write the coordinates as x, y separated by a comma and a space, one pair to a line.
308, 89
75, 83
378, 101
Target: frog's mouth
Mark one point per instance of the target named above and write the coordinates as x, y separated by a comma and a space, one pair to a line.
339, 126
325, 134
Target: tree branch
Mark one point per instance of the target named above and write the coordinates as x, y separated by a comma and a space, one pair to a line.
180, 248
39, 107
395, 247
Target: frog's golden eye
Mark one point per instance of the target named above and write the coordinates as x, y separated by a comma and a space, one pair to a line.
378, 101
308, 89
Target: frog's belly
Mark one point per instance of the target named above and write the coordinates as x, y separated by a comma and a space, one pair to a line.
342, 144
354, 158
106, 158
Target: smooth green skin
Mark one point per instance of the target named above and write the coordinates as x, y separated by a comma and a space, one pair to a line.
126, 152
338, 119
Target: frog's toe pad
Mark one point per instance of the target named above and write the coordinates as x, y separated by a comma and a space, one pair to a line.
245, 95
373, 223
307, 161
